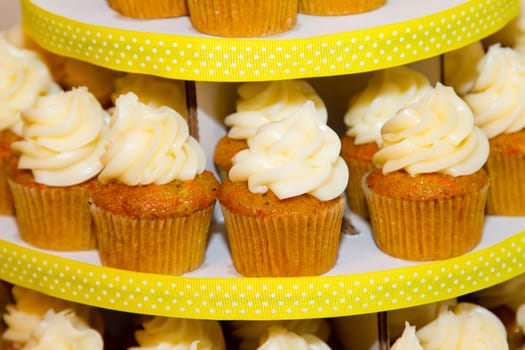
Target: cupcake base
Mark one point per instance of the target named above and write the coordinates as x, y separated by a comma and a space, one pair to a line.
338, 7
431, 227
149, 9
283, 239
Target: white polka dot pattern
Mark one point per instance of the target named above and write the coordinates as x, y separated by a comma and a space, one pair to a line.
262, 298
221, 59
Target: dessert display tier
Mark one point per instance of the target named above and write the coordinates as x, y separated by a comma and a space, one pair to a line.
400, 32
364, 279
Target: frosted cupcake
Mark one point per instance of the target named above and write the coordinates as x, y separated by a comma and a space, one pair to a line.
497, 101
59, 156
29, 308
281, 338
460, 67
386, 93
64, 330
427, 198
178, 333
153, 207
247, 334
152, 90
260, 103
283, 207
24, 79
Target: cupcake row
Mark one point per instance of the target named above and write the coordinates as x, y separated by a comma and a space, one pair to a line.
493, 318
240, 18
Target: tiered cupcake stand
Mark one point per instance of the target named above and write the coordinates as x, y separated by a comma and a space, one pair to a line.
364, 279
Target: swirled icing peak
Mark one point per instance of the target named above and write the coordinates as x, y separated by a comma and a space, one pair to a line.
293, 156
408, 340
468, 326
436, 134
498, 96
24, 78
262, 102
63, 137
167, 333
149, 145
387, 92
249, 332
280, 338
63, 331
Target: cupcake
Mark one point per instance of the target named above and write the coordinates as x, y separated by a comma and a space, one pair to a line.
30, 307
64, 330
260, 103
387, 92
407, 340
152, 90
497, 101
338, 7
460, 67
242, 18
246, 334
178, 333
59, 156
25, 78
149, 9
464, 326
281, 338
427, 197
283, 206
154, 202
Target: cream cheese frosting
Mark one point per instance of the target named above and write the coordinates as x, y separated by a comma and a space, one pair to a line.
293, 156
408, 340
149, 145
498, 96
63, 138
62, 331
436, 134
262, 102
466, 326
460, 67
24, 78
248, 333
167, 333
386, 92
279, 338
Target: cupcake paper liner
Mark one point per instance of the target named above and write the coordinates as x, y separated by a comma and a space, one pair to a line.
55, 218
170, 246
506, 185
281, 246
338, 7
423, 230
150, 9
6, 200
242, 18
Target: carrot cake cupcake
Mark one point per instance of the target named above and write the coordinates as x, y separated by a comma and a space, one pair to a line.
260, 103
387, 92
283, 207
427, 197
154, 204
150, 9
25, 77
497, 101
338, 7
59, 156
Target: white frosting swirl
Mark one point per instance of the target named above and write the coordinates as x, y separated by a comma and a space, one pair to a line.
24, 77
63, 137
459, 67
167, 333
386, 93
498, 96
293, 156
63, 331
408, 340
149, 145
279, 338
437, 134
263, 102
467, 326
249, 332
